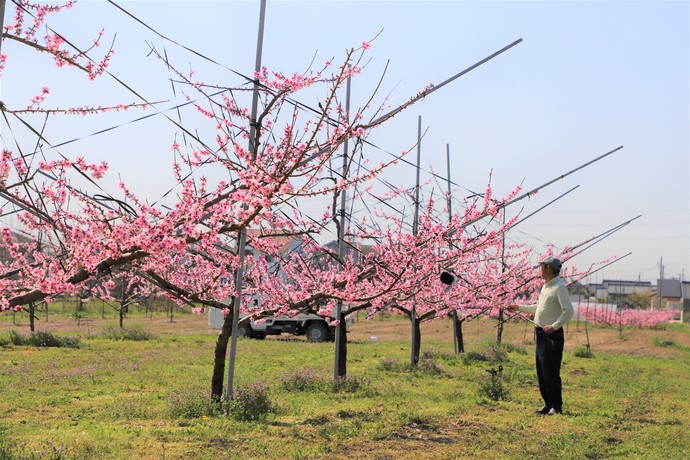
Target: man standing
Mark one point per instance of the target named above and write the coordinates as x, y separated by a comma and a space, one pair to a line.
552, 310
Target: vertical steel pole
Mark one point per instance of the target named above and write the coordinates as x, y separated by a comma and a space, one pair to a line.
620, 311
661, 282
450, 219
341, 242
242, 239
415, 229
499, 335
415, 224
2, 20
450, 201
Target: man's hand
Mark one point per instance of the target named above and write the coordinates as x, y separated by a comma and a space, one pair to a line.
548, 329
512, 307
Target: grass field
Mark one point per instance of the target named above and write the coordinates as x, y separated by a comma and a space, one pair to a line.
122, 399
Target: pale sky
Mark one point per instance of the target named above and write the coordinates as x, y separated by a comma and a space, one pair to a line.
587, 78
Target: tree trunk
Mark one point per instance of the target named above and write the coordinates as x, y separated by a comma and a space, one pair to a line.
31, 317
342, 351
499, 334
416, 343
122, 307
219, 358
457, 326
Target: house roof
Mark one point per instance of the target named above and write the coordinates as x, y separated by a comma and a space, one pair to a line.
284, 241
685, 289
669, 288
5, 256
646, 284
360, 249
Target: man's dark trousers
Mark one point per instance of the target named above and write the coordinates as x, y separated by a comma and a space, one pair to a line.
549, 356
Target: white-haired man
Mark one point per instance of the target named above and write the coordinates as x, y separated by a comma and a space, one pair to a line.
552, 310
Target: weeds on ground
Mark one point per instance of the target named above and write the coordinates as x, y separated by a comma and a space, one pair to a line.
583, 351
512, 348
135, 334
491, 352
494, 385
392, 365
667, 343
472, 357
250, 403
51, 451
350, 384
189, 403
39, 339
303, 380
306, 380
427, 364
441, 355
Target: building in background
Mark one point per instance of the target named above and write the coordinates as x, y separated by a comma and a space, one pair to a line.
671, 292
613, 290
675, 293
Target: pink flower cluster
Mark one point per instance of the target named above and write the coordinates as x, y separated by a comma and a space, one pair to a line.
52, 43
600, 316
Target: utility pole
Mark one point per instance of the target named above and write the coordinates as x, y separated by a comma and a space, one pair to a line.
415, 229
2, 20
339, 365
499, 334
458, 345
661, 282
242, 238
450, 199
454, 314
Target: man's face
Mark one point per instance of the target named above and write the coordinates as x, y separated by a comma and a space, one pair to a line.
545, 271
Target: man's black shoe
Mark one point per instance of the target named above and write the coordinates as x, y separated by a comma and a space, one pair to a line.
543, 411
553, 412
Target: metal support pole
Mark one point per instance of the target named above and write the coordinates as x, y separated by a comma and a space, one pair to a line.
415, 230
660, 302
450, 219
341, 243
450, 201
415, 224
499, 335
242, 239
2, 20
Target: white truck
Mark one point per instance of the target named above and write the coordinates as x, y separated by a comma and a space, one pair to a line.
313, 326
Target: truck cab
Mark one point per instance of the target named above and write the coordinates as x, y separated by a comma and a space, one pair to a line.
314, 327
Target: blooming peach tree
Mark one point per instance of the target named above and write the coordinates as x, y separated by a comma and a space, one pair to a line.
187, 250
248, 173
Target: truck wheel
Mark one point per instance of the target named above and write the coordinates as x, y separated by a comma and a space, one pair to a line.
244, 330
317, 332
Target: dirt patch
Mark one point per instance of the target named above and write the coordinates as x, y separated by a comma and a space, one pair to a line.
639, 342
607, 340
158, 324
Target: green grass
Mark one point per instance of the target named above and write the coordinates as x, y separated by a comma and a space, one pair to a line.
119, 399
38, 339
93, 309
